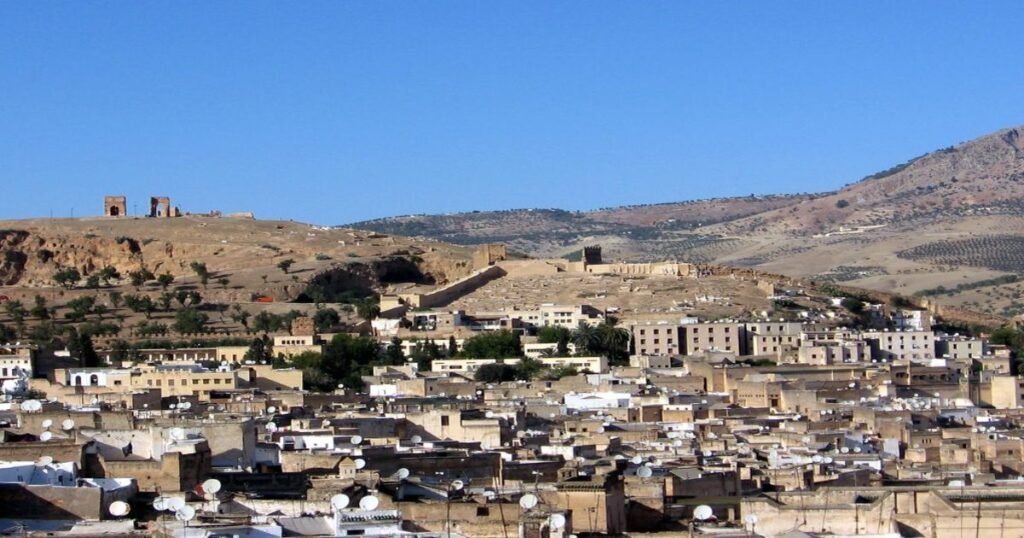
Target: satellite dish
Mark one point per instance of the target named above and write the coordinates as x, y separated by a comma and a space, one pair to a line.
186, 513
827, 460
211, 486
119, 509
369, 503
45, 436
457, 485
185, 405
644, 472
271, 427
557, 521
31, 405
817, 458
528, 501
360, 463
402, 473
636, 460
160, 504
703, 513
47, 423
175, 504
67, 424
356, 439
271, 409
177, 434
340, 501
751, 519
43, 461
416, 439
845, 450
600, 429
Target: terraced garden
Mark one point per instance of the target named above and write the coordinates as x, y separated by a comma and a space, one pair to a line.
996, 252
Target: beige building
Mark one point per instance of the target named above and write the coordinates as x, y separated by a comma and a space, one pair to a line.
901, 345
730, 338
1004, 392
288, 346
15, 361
657, 338
184, 381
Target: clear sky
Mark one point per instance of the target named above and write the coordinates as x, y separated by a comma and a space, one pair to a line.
332, 112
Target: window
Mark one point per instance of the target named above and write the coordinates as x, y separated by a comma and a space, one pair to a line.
444, 420
482, 511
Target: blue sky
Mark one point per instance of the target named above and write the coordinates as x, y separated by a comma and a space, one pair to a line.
332, 112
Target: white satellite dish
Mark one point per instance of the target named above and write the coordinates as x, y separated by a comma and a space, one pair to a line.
416, 439
751, 519
160, 504
271, 409
356, 439
31, 405
47, 423
175, 503
402, 473
360, 463
817, 458
644, 472
67, 424
557, 521
457, 485
528, 501
43, 461
369, 503
703, 513
45, 436
119, 509
185, 406
340, 501
271, 427
845, 450
600, 429
186, 513
177, 434
827, 460
211, 486
636, 460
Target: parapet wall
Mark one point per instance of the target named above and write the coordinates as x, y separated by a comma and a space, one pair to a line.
455, 290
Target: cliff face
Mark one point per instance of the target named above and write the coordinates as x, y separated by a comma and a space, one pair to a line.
31, 259
243, 256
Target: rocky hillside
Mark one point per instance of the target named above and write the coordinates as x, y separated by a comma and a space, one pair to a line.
245, 252
943, 225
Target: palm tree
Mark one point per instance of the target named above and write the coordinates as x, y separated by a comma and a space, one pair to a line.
586, 339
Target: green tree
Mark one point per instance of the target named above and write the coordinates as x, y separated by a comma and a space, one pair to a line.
284, 265
165, 280
67, 277
223, 281
241, 316
261, 350
140, 277
199, 268
92, 282
496, 373
267, 322
116, 298
80, 346
394, 356
7, 334
40, 310
189, 321
326, 319
587, 340
424, 353
368, 308
492, 345
107, 274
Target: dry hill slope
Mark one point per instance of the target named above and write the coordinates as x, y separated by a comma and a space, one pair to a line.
948, 220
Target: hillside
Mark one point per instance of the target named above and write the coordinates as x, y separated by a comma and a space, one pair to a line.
942, 224
245, 252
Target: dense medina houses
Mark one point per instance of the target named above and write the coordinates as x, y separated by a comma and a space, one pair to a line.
731, 427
